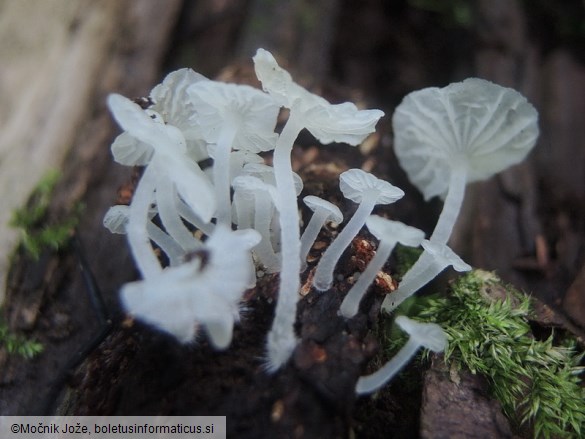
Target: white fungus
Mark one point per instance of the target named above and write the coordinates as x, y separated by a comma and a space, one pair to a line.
447, 137
367, 190
323, 211
440, 257
180, 299
427, 335
232, 117
328, 123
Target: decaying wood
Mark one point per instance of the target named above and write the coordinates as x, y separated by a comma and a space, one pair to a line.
46, 298
460, 408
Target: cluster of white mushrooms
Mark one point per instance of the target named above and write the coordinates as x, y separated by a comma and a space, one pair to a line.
222, 225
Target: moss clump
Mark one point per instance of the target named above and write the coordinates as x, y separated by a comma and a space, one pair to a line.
37, 232
16, 344
537, 382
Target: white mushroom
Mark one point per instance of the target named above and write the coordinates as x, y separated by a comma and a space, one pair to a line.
467, 131
360, 187
263, 195
323, 211
232, 116
116, 221
426, 335
389, 233
197, 293
170, 170
266, 174
328, 123
171, 106
440, 257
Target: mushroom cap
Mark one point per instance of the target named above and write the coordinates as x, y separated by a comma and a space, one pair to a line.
172, 101
385, 229
355, 182
315, 203
254, 185
248, 111
481, 125
428, 335
266, 174
116, 219
445, 256
180, 299
328, 123
249, 183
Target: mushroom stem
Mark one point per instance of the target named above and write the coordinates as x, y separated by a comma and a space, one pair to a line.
311, 232
167, 244
451, 206
370, 383
427, 335
138, 239
166, 202
221, 173
418, 275
411, 283
190, 216
243, 211
262, 217
440, 257
281, 338
350, 305
324, 273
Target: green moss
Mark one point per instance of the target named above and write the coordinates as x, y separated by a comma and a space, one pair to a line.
537, 382
37, 231
19, 345
405, 258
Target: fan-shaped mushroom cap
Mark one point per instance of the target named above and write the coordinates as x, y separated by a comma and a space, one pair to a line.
315, 203
355, 182
396, 231
443, 255
328, 123
246, 110
172, 101
429, 335
484, 126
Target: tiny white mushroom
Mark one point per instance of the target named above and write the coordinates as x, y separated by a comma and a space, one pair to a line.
263, 194
266, 174
467, 131
116, 221
195, 294
427, 335
328, 123
440, 257
232, 116
323, 211
389, 233
368, 190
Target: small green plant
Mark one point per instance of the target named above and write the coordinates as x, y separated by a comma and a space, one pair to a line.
37, 233
536, 381
17, 344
